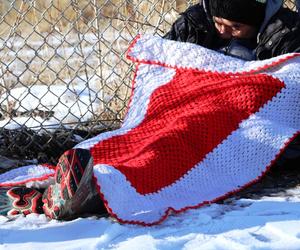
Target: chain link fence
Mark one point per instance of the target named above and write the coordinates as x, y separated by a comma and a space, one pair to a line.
63, 74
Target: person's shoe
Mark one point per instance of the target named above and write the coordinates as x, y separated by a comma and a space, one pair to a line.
20, 200
69, 171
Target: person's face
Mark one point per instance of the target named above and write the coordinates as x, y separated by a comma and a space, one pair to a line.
229, 29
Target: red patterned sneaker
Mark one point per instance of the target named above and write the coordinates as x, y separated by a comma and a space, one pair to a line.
74, 190
20, 200
70, 169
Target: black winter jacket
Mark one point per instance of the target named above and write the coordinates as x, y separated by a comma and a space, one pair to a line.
280, 34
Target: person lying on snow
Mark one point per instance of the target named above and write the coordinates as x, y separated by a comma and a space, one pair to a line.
248, 29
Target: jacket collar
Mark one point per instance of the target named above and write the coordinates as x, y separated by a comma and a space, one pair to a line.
271, 9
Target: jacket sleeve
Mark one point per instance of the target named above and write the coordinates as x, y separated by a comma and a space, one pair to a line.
179, 30
191, 26
294, 44
281, 35
291, 41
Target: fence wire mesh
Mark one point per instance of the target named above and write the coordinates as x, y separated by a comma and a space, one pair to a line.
63, 74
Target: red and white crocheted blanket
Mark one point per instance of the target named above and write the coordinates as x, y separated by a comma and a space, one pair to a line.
200, 126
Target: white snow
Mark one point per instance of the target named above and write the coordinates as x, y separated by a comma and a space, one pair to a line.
267, 223
69, 104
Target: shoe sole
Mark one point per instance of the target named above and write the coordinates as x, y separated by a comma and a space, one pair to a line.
69, 171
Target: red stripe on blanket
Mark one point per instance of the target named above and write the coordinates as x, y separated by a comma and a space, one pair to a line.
183, 119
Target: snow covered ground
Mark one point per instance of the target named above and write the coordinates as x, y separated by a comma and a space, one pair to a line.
67, 105
267, 223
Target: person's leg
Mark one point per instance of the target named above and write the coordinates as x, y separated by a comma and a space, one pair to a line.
74, 193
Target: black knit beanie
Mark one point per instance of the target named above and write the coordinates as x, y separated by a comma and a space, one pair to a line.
251, 12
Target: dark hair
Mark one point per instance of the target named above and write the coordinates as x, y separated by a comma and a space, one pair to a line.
251, 12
